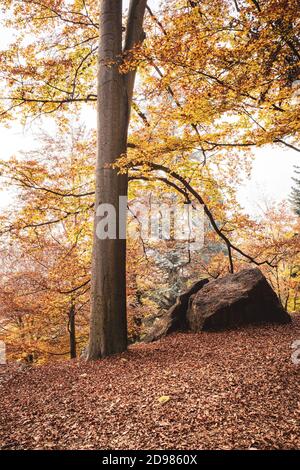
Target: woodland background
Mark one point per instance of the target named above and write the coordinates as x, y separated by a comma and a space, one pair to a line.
216, 79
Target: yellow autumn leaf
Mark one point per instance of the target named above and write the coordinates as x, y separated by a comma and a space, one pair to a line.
164, 399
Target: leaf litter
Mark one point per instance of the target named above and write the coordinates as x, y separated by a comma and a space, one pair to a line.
235, 389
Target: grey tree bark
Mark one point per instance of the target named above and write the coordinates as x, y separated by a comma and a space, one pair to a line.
108, 324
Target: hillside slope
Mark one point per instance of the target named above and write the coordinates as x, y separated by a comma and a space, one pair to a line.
231, 390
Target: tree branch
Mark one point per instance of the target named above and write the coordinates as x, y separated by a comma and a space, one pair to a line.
230, 246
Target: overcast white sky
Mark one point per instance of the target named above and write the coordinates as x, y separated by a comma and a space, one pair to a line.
272, 168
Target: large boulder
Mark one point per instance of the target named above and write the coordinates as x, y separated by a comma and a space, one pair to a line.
175, 318
233, 300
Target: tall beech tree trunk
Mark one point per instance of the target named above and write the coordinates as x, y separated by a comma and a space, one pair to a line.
108, 325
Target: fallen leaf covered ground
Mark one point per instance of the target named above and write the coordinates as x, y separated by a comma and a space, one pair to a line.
230, 390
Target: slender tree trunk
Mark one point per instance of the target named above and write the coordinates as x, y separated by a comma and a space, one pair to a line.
108, 325
72, 332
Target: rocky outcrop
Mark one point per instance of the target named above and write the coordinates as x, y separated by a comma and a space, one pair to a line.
233, 300
175, 318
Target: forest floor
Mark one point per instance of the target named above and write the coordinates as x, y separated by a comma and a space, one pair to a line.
231, 390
